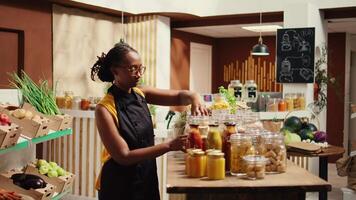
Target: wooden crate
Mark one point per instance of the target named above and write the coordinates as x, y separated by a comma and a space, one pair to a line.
31, 128
9, 135
61, 184
39, 194
57, 122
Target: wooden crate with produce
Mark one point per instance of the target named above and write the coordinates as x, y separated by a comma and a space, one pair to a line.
33, 125
52, 173
40, 99
9, 132
27, 184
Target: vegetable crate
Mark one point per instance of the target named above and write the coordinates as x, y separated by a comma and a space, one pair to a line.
62, 183
39, 194
9, 135
31, 127
57, 122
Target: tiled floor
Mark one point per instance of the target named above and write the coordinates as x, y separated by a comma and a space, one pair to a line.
337, 183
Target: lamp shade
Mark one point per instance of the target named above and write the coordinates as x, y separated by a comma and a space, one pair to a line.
260, 49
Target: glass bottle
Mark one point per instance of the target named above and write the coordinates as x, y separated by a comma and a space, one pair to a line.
282, 105
250, 91
289, 102
230, 128
68, 95
214, 137
196, 164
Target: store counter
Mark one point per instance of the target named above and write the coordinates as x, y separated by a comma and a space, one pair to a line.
290, 185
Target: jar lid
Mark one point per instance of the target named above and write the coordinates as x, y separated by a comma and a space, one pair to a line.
212, 150
235, 82
255, 159
197, 152
216, 154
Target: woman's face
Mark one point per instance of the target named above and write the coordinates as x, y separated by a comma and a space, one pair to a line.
129, 74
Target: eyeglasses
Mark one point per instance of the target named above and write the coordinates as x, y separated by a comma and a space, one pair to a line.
133, 69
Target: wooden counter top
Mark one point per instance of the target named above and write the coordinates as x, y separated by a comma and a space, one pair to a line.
296, 179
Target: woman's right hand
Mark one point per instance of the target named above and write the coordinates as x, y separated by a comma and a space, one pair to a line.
8, 195
178, 143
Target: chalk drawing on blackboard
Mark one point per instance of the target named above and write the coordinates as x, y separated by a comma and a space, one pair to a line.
286, 46
298, 42
306, 73
305, 60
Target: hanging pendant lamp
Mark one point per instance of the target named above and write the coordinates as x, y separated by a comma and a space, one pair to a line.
260, 49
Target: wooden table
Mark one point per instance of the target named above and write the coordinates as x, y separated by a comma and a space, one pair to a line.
323, 162
290, 185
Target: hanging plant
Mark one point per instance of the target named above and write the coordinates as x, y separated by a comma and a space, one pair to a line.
323, 79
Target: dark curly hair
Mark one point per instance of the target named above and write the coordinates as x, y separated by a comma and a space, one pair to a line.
115, 57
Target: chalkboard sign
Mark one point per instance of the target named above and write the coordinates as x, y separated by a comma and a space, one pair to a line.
295, 55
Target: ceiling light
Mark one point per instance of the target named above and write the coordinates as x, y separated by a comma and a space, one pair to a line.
260, 49
262, 28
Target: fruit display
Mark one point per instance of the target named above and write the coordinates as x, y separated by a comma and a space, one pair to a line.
50, 169
297, 130
4, 120
255, 167
28, 181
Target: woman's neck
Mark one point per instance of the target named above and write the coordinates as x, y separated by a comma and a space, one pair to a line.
122, 87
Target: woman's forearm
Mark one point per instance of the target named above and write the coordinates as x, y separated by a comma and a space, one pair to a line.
131, 157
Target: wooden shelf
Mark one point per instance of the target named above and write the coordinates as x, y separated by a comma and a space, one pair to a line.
24, 143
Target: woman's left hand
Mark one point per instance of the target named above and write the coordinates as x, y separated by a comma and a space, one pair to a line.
199, 109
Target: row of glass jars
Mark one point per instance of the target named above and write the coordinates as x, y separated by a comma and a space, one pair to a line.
69, 101
235, 146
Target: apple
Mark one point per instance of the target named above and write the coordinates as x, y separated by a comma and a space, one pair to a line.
52, 173
43, 169
61, 171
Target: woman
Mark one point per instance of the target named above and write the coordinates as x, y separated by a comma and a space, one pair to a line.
125, 126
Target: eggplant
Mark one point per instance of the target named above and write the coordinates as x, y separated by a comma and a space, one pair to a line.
32, 183
28, 181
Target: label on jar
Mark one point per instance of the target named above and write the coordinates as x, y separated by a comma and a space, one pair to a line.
238, 92
251, 92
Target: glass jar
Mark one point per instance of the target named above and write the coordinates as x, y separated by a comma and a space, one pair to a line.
289, 102
301, 101
68, 95
255, 167
61, 102
214, 137
194, 138
196, 164
84, 104
230, 128
215, 166
250, 91
236, 87
272, 105
282, 105
296, 105
241, 145
276, 153
76, 103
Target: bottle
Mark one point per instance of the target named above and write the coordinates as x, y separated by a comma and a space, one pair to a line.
214, 137
282, 105
250, 91
230, 129
236, 87
68, 95
301, 101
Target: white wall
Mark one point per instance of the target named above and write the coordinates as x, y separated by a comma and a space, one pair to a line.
210, 7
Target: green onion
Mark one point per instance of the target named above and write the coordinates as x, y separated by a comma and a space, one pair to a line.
39, 96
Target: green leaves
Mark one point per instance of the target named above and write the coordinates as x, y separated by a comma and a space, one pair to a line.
230, 98
39, 96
